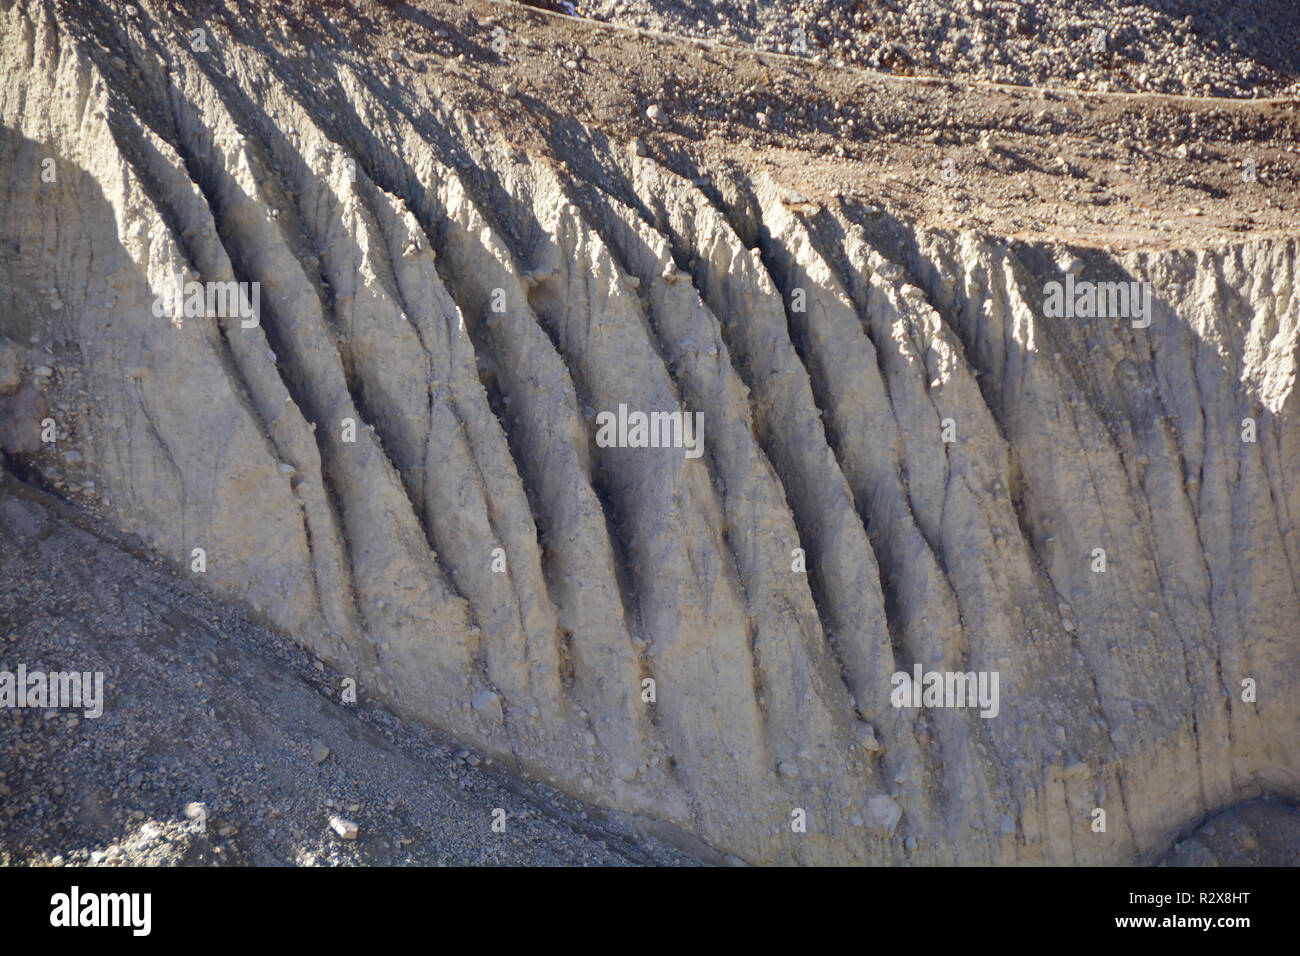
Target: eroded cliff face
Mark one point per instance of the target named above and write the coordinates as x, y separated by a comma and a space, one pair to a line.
397, 463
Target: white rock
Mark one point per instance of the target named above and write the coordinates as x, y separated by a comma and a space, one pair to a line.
882, 815
344, 828
487, 704
867, 738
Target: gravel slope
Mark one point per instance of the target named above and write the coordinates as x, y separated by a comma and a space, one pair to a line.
204, 706
1220, 47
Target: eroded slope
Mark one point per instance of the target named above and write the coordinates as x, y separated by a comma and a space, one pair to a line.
479, 562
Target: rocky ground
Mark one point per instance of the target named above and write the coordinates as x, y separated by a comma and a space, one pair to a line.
203, 706
1257, 833
1219, 48
939, 147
